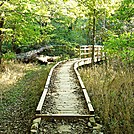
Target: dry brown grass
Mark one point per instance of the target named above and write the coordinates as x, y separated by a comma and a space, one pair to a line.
20, 95
11, 72
111, 93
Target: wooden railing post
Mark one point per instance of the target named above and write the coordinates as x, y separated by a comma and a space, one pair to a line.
101, 53
97, 54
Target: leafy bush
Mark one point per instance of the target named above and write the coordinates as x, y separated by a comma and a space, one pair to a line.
121, 46
9, 56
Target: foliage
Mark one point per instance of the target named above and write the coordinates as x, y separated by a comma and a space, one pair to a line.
121, 46
37, 23
120, 39
31, 24
66, 24
8, 56
111, 95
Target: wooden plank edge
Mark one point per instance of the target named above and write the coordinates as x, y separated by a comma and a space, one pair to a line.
40, 104
88, 101
90, 107
81, 82
63, 115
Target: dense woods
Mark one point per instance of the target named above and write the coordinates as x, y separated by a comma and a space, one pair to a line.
62, 26
27, 25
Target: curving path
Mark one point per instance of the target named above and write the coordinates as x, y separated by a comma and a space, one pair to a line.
65, 97
65, 92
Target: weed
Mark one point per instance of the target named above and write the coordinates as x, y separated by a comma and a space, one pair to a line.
111, 93
19, 100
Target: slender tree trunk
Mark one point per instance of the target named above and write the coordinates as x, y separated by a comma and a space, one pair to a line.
1, 26
105, 52
93, 40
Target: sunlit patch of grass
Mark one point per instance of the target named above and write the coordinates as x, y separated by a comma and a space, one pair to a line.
12, 72
111, 93
20, 99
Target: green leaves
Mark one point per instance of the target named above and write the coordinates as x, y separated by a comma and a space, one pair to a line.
121, 46
64, 22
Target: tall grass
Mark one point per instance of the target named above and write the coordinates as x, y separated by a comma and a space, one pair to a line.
20, 99
111, 90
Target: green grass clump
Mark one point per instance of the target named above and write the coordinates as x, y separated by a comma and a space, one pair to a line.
111, 93
20, 100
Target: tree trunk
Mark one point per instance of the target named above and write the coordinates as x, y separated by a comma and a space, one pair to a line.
1, 26
93, 40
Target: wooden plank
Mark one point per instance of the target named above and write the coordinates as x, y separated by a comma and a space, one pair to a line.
62, 116
81, 82
87, 61
90, 107
40, 104
76, 65
86, 96
85, 48
77, 73
85, 53
51, 71
81, 63
48, 81
82, 49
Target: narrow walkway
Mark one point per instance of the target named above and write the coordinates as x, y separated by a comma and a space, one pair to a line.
64, 92
65, 97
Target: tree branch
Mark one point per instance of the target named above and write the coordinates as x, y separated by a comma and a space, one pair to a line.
1, 4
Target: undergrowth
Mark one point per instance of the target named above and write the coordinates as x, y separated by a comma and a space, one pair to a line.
111, 91
19, 100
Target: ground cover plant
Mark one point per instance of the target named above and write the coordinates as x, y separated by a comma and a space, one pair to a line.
20, 93
111, 92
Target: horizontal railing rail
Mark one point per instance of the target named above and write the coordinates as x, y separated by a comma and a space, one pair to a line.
86, 51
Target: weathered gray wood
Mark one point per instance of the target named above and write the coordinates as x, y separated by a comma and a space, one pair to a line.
88, 101
90, 107
62, 116
81, 82
40, 104
86, 50
31, 55
48, 80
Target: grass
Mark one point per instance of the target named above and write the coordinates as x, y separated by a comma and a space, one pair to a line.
111, 91
20, 95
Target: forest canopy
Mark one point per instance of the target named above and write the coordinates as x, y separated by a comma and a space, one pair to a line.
29, 24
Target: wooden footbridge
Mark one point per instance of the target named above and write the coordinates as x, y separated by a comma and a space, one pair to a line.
65, 107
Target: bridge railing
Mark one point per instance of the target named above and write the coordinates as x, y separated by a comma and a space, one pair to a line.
86, 51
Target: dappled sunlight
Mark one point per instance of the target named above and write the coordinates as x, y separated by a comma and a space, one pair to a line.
13, 72
63, 26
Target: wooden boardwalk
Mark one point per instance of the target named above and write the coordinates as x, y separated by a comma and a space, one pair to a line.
65, 98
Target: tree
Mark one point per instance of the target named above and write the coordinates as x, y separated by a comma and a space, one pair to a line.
120, 41
1, 26
22, 24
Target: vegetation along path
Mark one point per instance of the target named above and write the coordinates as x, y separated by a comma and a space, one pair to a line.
65, 104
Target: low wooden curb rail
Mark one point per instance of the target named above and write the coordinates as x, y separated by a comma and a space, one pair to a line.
40, 104
92, 123
77, 64
88, 101
62, 116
